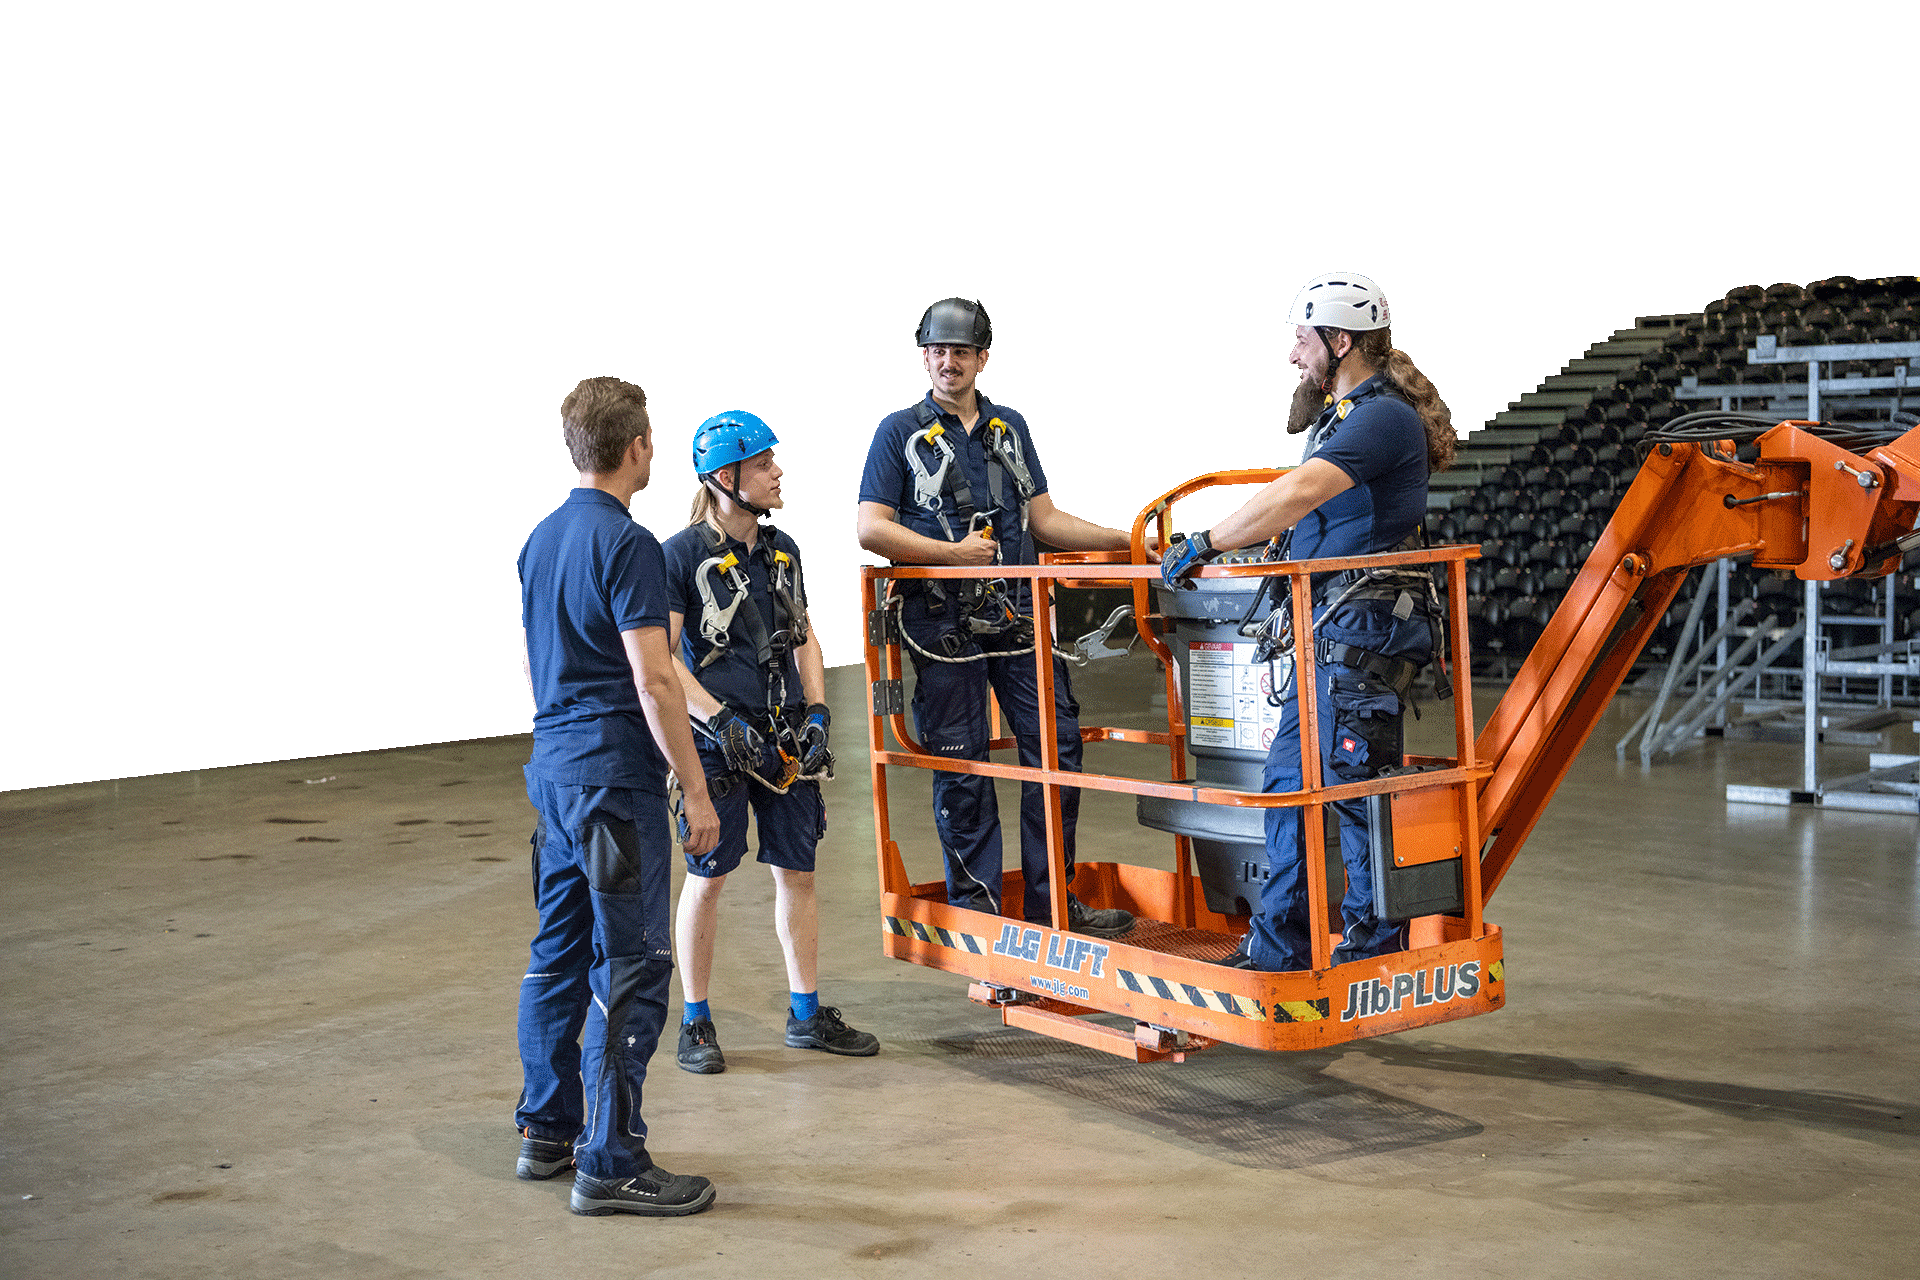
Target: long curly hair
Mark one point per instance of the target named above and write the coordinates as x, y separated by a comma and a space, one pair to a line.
1375, 347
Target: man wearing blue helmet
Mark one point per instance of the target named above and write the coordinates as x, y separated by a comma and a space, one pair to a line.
956, 480
756, 692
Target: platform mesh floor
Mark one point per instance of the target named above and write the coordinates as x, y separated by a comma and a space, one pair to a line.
1171, 939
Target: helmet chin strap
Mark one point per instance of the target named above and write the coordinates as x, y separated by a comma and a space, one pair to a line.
733, 492
1333, 360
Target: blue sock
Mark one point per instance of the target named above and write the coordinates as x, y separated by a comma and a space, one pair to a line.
805, 1004
697, 1011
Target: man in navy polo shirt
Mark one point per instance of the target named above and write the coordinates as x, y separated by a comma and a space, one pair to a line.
1379, 429
956, 480
607, 706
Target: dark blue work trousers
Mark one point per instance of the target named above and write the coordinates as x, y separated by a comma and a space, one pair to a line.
950, 717
1360, 721
601, 962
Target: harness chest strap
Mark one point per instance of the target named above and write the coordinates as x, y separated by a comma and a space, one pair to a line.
717, 621
948, 479
1380, 583
1004, 458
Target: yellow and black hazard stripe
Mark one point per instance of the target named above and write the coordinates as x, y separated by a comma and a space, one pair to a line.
1147, 984
936, 935
1301, 1010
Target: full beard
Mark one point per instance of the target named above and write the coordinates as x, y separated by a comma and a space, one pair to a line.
1308, 401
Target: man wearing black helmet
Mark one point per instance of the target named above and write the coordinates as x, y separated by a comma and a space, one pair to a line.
955, 479
1379, 429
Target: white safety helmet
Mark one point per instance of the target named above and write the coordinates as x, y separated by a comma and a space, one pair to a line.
1340, 300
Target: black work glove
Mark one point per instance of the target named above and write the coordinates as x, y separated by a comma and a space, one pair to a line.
738, 740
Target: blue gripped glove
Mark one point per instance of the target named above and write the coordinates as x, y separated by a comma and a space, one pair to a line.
814, 756
1187, 553
738, 740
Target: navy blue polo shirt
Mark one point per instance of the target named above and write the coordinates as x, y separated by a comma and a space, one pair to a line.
587, 573
889, 480
1382, 446
735, 677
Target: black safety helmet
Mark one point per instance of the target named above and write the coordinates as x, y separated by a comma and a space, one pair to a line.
955, 322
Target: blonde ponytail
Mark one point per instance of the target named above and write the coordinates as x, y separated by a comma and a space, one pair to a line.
705, 507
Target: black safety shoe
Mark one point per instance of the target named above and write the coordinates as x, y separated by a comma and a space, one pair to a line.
1239, 959
1096, 922
825, 1030
541, 1158
654, 1194
700, 1049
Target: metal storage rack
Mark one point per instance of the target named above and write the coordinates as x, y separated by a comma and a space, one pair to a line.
1892, 783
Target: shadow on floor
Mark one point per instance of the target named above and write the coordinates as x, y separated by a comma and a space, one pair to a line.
1873, 1118
1261, 1111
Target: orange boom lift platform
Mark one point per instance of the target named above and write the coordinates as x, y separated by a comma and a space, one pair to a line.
1806, 505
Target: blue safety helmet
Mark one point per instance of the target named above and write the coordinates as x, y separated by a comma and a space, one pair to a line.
727, 438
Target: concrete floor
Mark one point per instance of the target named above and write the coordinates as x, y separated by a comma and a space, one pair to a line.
259, 1022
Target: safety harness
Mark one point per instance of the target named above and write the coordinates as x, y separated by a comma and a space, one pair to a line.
1410, 587
943, 477
937, 474
723, 625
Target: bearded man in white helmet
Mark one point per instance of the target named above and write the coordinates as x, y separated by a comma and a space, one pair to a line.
1378, 431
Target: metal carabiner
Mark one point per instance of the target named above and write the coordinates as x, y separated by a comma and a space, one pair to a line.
982, 521
1002, 440
1097, 642
927, 485
779, 738
716, 622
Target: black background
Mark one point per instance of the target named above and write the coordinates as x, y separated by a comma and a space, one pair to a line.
283, 521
